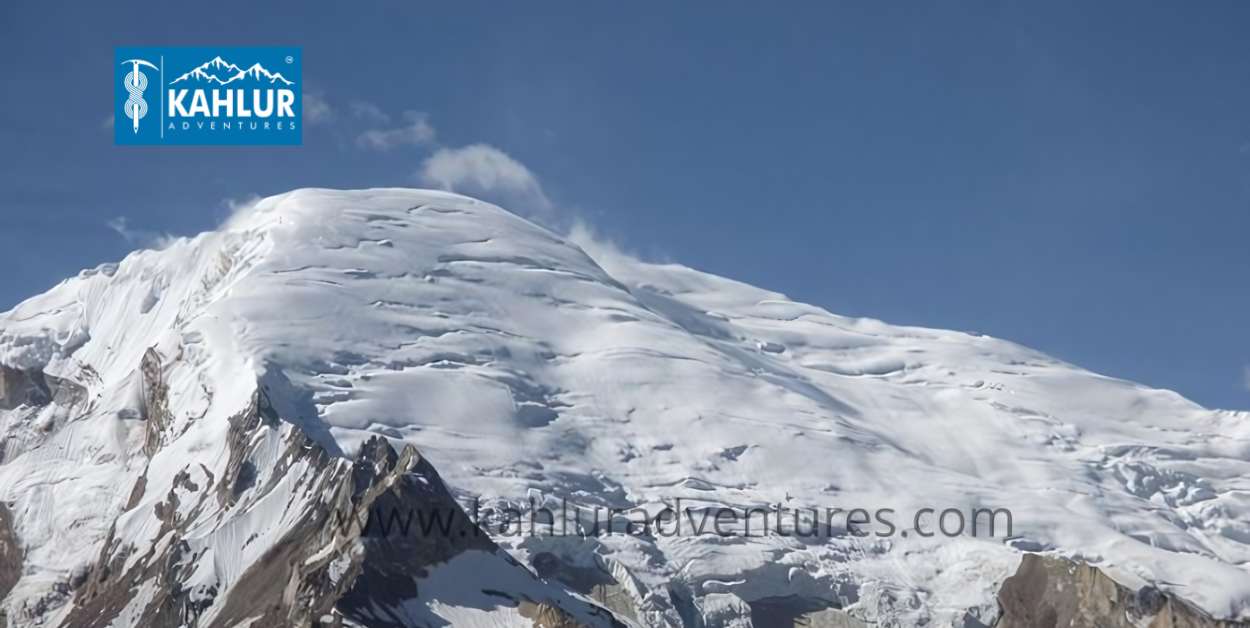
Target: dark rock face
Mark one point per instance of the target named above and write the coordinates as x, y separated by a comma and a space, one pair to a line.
1051, 592
20, 387
390, 482
796, 612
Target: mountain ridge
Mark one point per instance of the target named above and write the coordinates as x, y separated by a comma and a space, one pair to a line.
256, 71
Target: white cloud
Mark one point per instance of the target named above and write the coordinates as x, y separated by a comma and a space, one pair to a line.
416, 131
369, 112
108, 123
316, 109
141, 237
486, 170
478, 169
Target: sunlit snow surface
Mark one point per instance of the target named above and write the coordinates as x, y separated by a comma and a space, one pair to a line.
522, 366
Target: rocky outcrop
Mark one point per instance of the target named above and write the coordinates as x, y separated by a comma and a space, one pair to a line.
22, 387
31, 387
10, 557
168, 562
610, 586
33, 405
332, 563
1049, 592
156, 413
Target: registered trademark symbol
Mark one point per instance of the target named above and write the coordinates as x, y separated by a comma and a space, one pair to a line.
290, 59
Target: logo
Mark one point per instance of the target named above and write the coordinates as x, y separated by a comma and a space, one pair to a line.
207, 96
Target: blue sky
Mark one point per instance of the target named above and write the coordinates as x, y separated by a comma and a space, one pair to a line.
1073, 176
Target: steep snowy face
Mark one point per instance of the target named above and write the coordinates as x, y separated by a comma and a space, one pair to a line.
525, 369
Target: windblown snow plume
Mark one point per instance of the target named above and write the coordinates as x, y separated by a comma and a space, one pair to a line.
184, 431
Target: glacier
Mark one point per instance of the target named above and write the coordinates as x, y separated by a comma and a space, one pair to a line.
407, 331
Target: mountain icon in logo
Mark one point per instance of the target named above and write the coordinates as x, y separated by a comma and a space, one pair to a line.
213, 70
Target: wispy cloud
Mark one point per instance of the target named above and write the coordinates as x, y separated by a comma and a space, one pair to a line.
1245, 377
108, 123
610, 255
141, 237
316, 109
369, 112
415, 131
484, 169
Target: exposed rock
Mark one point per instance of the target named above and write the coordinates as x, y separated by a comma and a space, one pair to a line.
22, 387
333, 565
10, 557
35, 388
155, 401
615, 597
239, 474
66, 393
613, 591
1048, 592
544, 615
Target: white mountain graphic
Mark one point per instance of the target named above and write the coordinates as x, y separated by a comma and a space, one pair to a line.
213, 70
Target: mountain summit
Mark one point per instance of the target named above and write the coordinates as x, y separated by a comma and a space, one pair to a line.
181, 428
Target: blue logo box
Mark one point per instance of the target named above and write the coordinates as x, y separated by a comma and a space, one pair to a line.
213, 96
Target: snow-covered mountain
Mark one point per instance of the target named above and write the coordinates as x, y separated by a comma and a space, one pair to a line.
181, 428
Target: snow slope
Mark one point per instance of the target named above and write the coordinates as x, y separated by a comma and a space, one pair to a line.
523, 367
